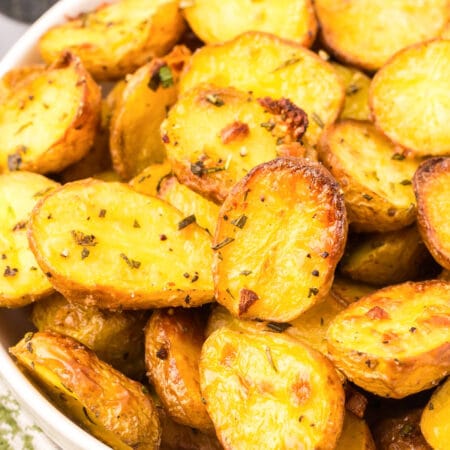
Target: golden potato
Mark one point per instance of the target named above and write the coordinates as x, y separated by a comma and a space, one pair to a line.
280, 234
49, 121
135, 140
394, 342
116, 337
434, 422
431, 183
215, 21
270, 66
149, 180
408, 101
100, 399
349, 291
242, 131
355, 434
116, 39
381, 259
103, 244
16, 77
375, 178
267, 390
366, 33
21, 280
173, 342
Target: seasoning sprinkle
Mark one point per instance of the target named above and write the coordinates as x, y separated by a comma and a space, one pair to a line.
287, 63
131, 262
10, 272
226, 241
84, 253
161, 77
240, 221
405, 182
186, 221
317, 119
278, 327
312, 291
367, 197
136, 224
245, 272
398, 157
215, 100
162, 353
315, 273
102, 213
194, 278
270, 359
87, 240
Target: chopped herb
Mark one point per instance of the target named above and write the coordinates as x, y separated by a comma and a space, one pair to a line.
215, 100
14, 161
186, 275
162, 353
20, 225
131, 262
87, 240
144, 390
187, 299
413, 329
278, 327
240, 221
84, 253
136, 224
42, 192
325, 255
280, 141
10, 272
430, 406
317, 119
269, 126
315, 273
102, 213
199, 169
367, 197
33, 268
312, 291
161, 77
87, 415
398, 157
287, 63
246, 272
194, 278
405, 182
186, 221
352, 89
227, 290
406, 430
226, 241
270, 359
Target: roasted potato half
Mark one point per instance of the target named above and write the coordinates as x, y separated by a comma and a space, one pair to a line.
381, 259
394, 342
15, 77
242, 131
279, 236
103, 244
271, 66
431, 186
116, 337
149, 180
49, 121
216, 22
173, 342
434, 422
408, 101
366, 33
21, 280
135, 140
103, 401
355, 434
375, 178
116, 39
267, 390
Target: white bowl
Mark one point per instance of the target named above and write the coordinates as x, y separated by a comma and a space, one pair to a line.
14, 323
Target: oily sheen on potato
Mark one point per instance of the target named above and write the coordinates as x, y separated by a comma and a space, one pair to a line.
279, 392
103, 244
395, 342
280, 234
103, 401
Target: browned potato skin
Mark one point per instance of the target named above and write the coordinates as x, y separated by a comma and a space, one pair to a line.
173, 342
59, 363
431, 180
383, 342
79, 135
116, 337
267, 192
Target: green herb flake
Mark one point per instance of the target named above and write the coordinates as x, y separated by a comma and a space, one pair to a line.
312, 291
270, 358
246, 273
186, 221
84, 253
430, 406
131, 262
269, 126
240, 221
367, 197
102, 213
225, 242
406, 430
405, 182
398, 157
215, 100
136, 224
86, 240
10, 271
287, 63
317, 119
352, 89
161, 77
278, 327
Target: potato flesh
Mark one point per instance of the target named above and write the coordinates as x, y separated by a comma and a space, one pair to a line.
269, 66
140, 257
366, 33
19, 192
270, 382
409, 100
147, 182
216, 22
349, 291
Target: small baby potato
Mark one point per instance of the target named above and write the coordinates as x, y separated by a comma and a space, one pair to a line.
21, 280
116, 337
242, 131
280, 234
434, 423
216, 21
270, 66
267, 390
116, 39
149, 180
386, 258
408, 101
100, 399
135, 140
355, 434
376, 180
366, 33
104, 244
431, 186
349, 291
396, 341
49, 121
173, 342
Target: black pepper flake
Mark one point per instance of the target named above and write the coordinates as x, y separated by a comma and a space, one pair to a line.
398, 157
312, 291
278, 327
102, 213
308, 255
194, 278
325, 255
131, 262
199, 169
287, 63
187, 299
315, 273
186, 275
87, 415
136, 224
367, 197
186, 221
14, 161
162, 237
300, 418
84, 253
215, 100
162, 353
405, 182
246, 272
280, 141
352, 89
430, 406
29, 346
240, 221
225, 217
86, 240
413, 329
10, 272
227, 290
269, 126
225, 242
20, 225
391, 212
48, 274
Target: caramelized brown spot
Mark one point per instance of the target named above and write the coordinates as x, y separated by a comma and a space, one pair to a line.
247, 299
377, 313
301, 391
234, 131
438, 321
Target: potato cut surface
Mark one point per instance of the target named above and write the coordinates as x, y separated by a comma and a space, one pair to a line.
409, 98
281, 393
431, 185
21, 280
270, 66
216, 22
242, 131
349, 291
280, 234
173, 342
116, 39
375, 177
100, 399
105, 245
49, 122
366, 33
395, 342
149, 180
